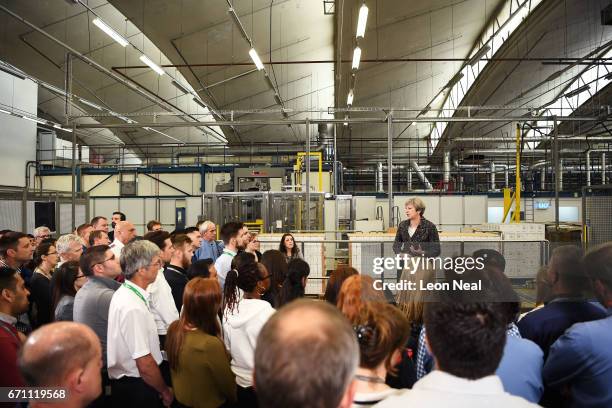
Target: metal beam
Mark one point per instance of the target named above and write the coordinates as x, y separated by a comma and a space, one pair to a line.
286, 122
557, 164
390, 166
167, 184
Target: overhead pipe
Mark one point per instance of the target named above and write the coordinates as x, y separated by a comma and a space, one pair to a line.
446, 167
588, 167
492, 169
421, 175
379, 178
603, 168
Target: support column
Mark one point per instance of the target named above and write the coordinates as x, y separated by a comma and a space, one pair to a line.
307, 174
557, 165
603, 168
588, 168
390, 164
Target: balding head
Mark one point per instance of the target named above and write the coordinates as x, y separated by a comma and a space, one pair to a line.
125, 231
66, 355
306, 356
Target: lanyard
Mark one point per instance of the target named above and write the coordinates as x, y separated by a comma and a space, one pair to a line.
137, 293
229, 253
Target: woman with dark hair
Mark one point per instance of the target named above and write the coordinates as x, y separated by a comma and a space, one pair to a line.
243, 317
43, 263
289, 248
382, 331
204, 268
199, 365
277, 266
67, 282
336, 279
295, 283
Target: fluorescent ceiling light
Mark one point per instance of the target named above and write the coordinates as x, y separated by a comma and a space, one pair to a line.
180, 87
256, 59
5, 111
349, 98
577, 91
152, 65
356, 57
110, 32
478, 55
42, 122
93, 105
361, 21
61, 128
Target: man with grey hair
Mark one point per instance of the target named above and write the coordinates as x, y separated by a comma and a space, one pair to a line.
133, 352
40, 234
306, 356
69, 248
210, 248
64, 355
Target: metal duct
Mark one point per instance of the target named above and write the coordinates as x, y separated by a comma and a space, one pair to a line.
542, 180
379, 178
409, 179
492, 175
561, 175
421, 175
588, 166
603, 168
446, 168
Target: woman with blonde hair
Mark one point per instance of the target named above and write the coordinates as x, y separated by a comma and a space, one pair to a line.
199, 364
416, 235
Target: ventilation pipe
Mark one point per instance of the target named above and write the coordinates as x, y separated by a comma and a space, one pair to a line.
446, 169
543, 180
421, 175
492, 176
588, 167
603, 168
561, 175
379, 178
409, 177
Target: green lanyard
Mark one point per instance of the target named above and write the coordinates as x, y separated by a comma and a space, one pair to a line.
137, 293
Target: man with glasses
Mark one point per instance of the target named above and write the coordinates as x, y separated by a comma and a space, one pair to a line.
133, 350
210, 248
92, 301
69, 247
40, 234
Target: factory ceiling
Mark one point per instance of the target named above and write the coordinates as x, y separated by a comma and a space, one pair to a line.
411, 54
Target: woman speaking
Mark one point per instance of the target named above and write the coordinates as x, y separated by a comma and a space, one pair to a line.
416, 236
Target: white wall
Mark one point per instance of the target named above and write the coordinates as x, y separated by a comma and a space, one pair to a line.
17, 135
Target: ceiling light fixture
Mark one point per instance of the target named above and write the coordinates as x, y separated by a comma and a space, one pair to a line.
577, 91
180, 87
93, 105
349, 98
256, 59
152, 65
110, 32
479, 54
356, 57
361, 21
200, 103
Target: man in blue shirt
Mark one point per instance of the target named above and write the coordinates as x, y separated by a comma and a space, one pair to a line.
567, 306
209, 248
581, 360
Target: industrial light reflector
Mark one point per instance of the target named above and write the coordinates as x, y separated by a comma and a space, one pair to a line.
110, 32
152, 65
361, 21
349, 98
90, 104
356, 57
256, 59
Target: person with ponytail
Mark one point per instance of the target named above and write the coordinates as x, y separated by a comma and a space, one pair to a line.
199, 364
382, 331
295, 283
244, 314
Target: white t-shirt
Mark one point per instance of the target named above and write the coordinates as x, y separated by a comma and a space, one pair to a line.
162, 303
132, 332
223, 265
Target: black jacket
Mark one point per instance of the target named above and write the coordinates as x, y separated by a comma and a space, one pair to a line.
426, 235
177, 279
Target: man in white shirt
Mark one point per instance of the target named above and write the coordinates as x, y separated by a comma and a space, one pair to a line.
467, 341
133, 352
233, 235
161, 300
124, 233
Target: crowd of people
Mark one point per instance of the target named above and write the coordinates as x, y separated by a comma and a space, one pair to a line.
183, 319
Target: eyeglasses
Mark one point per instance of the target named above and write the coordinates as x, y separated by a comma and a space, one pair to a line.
159, 263
52, 253
112, 258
